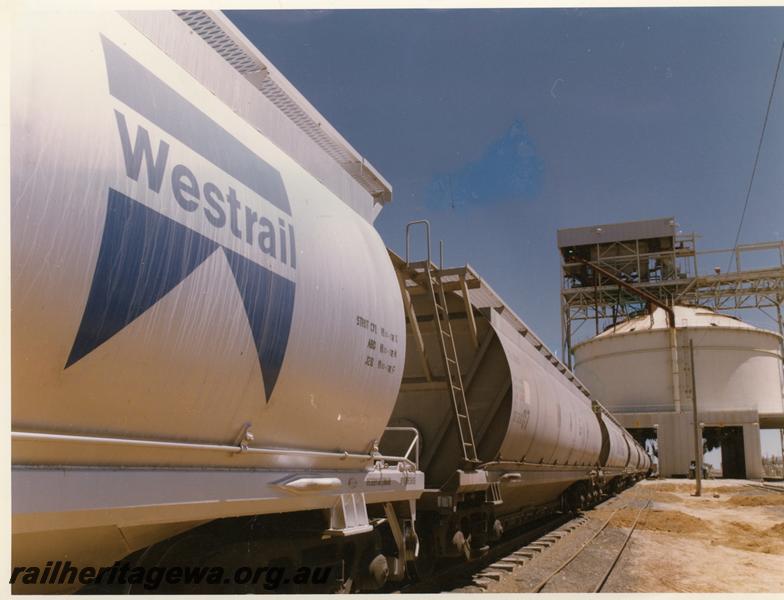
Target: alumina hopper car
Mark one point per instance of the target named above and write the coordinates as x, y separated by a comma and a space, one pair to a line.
213, 362
541, 442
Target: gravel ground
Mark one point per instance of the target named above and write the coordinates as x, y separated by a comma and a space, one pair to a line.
731, 539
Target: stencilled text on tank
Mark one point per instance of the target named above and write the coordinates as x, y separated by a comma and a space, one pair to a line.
381, 350
521, 417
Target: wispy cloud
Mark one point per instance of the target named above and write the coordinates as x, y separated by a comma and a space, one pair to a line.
509, 170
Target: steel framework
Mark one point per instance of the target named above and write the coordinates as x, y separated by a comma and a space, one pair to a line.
670, 274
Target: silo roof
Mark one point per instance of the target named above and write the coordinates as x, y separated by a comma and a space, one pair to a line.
685, 316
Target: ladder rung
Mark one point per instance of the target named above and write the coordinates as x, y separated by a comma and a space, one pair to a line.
450, 356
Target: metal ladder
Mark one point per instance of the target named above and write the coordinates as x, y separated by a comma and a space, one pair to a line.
446, 340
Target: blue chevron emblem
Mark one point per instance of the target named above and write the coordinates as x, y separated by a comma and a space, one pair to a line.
145, 254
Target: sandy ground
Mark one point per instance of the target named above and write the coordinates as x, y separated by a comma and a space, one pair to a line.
731, 539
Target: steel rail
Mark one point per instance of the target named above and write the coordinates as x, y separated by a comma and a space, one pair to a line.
600, 585
766, 487
538, 588
445, 578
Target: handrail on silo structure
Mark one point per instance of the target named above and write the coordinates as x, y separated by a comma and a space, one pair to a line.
426, 223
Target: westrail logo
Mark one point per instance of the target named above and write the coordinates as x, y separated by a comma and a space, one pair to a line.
144, 254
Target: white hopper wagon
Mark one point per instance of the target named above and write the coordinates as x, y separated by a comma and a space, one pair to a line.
188, 341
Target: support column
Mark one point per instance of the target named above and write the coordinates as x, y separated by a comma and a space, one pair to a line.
676, 378
752, 449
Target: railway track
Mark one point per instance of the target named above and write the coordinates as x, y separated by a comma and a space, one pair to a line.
596, 586
501, 557
508, 555
767, 487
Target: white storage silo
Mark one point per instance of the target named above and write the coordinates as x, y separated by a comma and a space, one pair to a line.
630, 367
644, 378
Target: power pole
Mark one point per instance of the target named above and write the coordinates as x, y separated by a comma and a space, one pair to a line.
781, 431
697, 436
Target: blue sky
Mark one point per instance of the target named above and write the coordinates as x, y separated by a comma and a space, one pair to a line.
501, 126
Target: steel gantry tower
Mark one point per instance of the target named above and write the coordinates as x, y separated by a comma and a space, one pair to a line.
653, 258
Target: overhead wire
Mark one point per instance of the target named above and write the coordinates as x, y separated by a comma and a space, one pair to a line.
756, 158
